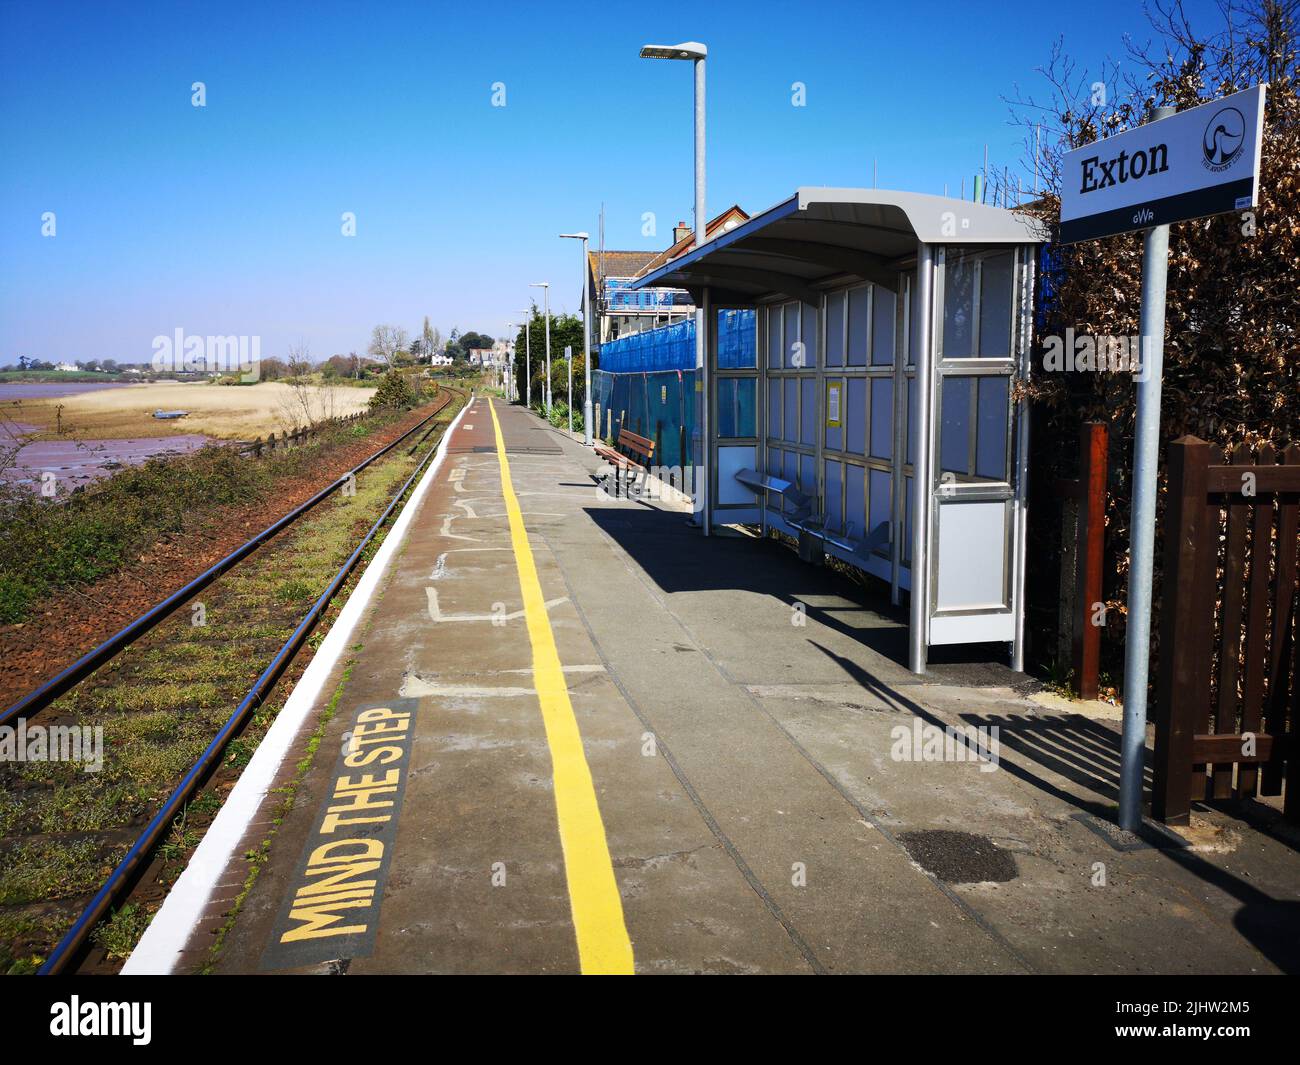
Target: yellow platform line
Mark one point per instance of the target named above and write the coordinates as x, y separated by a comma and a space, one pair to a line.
603, 944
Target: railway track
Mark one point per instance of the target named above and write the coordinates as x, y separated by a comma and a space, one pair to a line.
48, 698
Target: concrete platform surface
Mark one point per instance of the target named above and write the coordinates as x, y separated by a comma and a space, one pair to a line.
736, 773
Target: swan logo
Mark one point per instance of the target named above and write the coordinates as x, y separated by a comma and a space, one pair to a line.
1224, 139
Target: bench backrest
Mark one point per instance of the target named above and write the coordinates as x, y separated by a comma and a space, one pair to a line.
630, 441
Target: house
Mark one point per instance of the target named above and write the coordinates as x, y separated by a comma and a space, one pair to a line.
65, 367
618, 311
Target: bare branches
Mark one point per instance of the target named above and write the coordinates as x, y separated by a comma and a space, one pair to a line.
307, 403
386, 341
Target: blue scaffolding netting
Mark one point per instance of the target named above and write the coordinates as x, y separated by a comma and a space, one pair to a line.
672, 347
659, 405
646, 382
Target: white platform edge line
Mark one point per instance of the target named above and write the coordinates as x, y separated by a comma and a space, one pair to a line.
168, 933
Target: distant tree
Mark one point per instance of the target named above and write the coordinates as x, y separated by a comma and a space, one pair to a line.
453, 348
340, 366
472, 340
386, 341
566, 329
305, 403
298, 360
428, 338
272, 369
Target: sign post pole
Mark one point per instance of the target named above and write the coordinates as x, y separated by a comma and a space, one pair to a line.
1142, 524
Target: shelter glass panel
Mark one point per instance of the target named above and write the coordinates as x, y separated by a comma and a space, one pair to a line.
859, 325
883, 306
835, 303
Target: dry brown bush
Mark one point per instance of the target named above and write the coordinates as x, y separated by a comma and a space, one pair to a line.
1233, 311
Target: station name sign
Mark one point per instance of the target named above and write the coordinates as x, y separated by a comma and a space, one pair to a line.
1195, 163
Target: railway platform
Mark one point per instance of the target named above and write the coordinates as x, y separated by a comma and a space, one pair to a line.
570, 734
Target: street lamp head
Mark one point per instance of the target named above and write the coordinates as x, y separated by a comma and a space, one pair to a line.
576, 236
685, 50
539, 284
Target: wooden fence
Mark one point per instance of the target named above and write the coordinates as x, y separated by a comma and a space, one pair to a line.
1229, 673
259, 447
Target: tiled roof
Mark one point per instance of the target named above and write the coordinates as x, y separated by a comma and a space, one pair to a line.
729, 218
619, 263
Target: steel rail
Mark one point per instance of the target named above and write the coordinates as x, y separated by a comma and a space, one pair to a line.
120, 877
41, 697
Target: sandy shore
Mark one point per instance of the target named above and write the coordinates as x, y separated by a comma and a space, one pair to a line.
218, 411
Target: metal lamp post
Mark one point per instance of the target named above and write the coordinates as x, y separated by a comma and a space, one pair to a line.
509, 378
586, 344
697, 53
545, 286
568, 359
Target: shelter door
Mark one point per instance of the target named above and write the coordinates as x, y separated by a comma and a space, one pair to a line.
974, 527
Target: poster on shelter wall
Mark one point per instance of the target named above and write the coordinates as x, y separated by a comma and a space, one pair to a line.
833, 389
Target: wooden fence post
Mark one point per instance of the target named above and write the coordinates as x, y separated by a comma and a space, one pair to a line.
1286, 608
1094, 440
1186, 627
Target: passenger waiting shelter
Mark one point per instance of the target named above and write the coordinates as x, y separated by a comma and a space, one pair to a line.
877, 421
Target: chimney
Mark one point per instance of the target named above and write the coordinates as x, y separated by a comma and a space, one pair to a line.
680, 232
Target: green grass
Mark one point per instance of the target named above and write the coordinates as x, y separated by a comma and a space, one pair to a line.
21, 927
120, 933
49, 868
295, 591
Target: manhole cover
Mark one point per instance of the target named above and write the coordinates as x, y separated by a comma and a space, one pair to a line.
959, 857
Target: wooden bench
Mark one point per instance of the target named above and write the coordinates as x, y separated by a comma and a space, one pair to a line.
629, 452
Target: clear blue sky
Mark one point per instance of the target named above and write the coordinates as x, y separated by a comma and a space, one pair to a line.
226, 219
